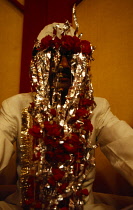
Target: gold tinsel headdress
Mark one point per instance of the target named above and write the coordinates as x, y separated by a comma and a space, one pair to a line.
55, 137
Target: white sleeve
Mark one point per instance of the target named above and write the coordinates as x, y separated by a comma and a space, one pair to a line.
116, 142
8, 132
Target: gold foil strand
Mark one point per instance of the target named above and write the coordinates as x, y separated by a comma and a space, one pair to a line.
75, 19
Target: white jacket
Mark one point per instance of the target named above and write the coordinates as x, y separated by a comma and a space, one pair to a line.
115, 138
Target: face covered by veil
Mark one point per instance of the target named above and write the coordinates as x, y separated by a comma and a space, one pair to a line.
56, 127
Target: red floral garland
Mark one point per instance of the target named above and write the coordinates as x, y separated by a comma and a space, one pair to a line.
71, 147
67, 44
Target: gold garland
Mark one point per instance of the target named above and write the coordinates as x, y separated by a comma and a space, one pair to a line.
56, 150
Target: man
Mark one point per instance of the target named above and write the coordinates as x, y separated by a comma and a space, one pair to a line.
61, 126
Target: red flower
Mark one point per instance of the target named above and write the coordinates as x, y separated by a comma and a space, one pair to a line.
81, 112
49, 155
85, 192
61, 157
76, 44
79, 155
28, 202
67, 42
52, 129
58, 155
72, 120
82, 192
70, 148
73, 138
53, 112
51, 142
64, 208
51, 181
30, 192
46, 42
86, 102
35, 131
56, 42
72, 143
57, 174
87, 125
47, 125
62, 188
77, 125
85, 47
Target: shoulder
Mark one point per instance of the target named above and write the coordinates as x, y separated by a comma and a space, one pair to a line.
102, 115
101, 104
100, 112
100, 101
18, 102
22, 97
